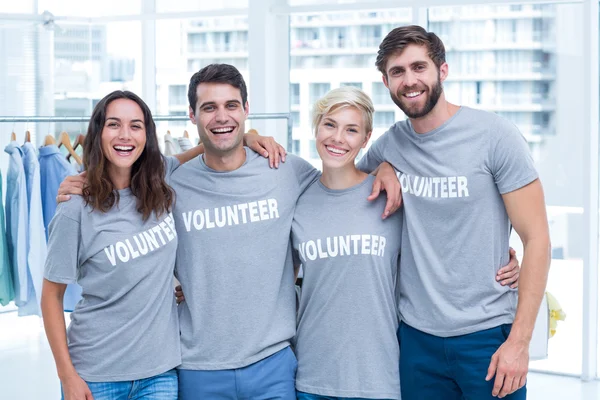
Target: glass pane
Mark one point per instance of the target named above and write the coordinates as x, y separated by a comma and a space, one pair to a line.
87, 9
19, 7
91, 61
334, 49
515, 60
64, 70
164, 6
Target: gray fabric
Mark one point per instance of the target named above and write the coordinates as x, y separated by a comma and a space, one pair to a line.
184, 143
125, 327
456, 229
234, 259
346, 342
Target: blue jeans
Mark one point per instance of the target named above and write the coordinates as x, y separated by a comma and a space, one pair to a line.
308, 396
449, 368
159, 387
272, 378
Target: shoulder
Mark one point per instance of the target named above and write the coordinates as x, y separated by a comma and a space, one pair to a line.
71, 209
490, 120
298, 162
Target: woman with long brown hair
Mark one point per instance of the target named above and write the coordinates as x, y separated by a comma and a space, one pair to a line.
118, 241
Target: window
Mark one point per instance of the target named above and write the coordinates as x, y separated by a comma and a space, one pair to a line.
296, 147
312, 150
353, 84
294, 94
177, 95
318, 90
295, 119
383, 119
381, 94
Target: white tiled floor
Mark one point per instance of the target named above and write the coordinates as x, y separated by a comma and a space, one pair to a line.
27, 368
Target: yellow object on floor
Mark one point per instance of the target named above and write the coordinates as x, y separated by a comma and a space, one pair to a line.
556, 313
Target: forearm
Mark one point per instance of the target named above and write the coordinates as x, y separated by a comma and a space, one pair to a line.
190, 154
532, 285
54, 324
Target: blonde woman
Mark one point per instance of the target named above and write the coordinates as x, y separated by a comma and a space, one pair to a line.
346, 342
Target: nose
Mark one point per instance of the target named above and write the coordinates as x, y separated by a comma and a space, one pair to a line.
338, 136
125, 132
221, 115
410, 79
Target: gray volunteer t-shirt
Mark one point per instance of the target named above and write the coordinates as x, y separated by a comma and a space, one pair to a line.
125, 327
234, 259
456, 228
346, 341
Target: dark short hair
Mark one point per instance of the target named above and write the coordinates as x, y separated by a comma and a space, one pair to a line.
147, 173
399, 38
216, 73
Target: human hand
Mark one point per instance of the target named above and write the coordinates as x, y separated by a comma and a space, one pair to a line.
75, 388
71, 185
509, 274
266, 146
179, 297
386, 179
509, 364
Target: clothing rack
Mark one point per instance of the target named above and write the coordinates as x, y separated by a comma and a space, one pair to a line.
157, 118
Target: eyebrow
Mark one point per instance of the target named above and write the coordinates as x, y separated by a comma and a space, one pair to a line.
119, 119
413, 64
212, 103
334, 121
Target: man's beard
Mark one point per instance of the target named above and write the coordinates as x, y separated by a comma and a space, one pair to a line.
432, 99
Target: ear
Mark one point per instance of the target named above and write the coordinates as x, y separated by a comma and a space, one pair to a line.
246, 109
367, 140
192, 116
385, 81
443, 72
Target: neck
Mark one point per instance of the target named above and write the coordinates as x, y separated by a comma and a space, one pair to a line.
120, 178
342, 178
441, 113
225, 162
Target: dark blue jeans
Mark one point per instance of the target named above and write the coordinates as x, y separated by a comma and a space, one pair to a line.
308, 396
452, 368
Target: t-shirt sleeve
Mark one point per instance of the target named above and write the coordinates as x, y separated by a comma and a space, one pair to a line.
306, 174
373, 157
64, 239
171, 164
511, 163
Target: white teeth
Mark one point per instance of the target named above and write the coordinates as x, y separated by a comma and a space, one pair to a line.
222, 130
336, 151
412, 94
124, 148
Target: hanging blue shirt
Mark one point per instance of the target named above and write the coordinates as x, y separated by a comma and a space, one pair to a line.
7, 294
36, 238
16, 222
54, 168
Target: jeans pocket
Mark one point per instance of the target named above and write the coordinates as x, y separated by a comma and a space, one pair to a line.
505, 330
293, 361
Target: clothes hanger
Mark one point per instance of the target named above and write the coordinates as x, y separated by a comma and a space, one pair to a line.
65, 140
48, 140
13, 137
186, 134
27, 137
78, 142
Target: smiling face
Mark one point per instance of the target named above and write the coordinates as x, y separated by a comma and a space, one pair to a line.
123, 136
340, 136
414, 81
220, 116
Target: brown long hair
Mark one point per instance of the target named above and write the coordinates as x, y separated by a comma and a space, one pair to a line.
147, 173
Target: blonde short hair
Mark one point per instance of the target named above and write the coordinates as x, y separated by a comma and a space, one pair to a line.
345, 96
